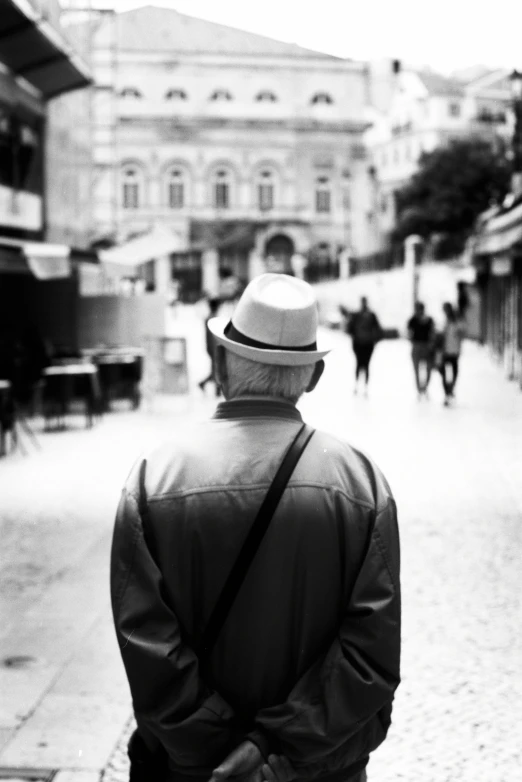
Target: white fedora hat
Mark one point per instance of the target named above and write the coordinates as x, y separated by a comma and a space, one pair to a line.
275, 322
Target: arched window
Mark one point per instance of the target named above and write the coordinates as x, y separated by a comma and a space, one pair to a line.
175, 94
131, 187
221, 189
323, 194
265, 190
265, 96
321, 97
221, 95
176, 188
130, 92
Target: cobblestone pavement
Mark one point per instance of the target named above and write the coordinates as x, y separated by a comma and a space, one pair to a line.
456, 476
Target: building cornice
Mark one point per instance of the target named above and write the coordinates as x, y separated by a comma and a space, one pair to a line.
234, 60
224, 123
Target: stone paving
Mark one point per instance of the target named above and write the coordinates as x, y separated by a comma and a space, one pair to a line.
456, 476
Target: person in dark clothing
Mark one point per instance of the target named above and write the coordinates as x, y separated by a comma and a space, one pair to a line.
230, 287
421, 332
300, 682
462, 300
450, 347
365, 331
213, 305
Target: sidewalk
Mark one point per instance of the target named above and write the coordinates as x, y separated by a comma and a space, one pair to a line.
456, 476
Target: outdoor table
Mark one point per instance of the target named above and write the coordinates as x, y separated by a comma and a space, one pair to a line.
65, 382
6, 412
120, 371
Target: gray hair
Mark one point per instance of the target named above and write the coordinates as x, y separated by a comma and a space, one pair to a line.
246, 377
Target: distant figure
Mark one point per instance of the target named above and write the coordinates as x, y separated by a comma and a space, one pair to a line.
421, 332
462, 300
31, 354
229, 285
213, 305
450, 344
229, 291
365, 331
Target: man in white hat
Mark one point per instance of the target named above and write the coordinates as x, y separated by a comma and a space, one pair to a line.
301, 679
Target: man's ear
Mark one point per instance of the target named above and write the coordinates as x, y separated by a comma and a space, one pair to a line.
318, 371
220, 365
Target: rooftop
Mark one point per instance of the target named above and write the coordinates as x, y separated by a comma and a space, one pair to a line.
151, 28
441, 85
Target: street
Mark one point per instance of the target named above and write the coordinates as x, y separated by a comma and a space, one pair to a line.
455, 474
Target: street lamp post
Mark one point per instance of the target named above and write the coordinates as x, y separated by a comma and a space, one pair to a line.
516, 91
413, 246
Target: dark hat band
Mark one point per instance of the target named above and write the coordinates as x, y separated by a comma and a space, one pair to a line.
237, 336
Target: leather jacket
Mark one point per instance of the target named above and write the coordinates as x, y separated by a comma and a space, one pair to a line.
308, 661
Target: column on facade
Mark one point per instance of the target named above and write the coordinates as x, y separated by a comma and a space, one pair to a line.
155, 199
199, 193
256, 264
210, 272
163, 276
344, 264
412, 247
244, 189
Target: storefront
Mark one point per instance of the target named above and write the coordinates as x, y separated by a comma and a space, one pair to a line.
497, 254
38, 280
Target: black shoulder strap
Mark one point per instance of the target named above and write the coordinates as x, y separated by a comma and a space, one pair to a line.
253, 540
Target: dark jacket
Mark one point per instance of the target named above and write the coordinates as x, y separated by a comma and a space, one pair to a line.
308, 661
364, 328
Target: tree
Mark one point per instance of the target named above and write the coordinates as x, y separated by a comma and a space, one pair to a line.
453, 185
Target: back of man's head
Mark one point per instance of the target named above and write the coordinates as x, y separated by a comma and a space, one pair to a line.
251, 378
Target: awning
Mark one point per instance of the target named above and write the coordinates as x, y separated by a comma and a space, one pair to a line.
500, 233
238, 235
46, 261
125, 258
31, 47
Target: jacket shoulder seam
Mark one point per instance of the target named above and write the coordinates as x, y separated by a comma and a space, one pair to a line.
158, 498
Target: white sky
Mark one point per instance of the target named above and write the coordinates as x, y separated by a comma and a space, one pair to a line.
443, 34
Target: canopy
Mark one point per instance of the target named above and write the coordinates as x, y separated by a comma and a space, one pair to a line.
31, 47
46, 261
499, 233
155, 244
239, 235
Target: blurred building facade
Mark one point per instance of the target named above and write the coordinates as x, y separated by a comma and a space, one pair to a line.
251, 150
428, 110
38, 235
497, 256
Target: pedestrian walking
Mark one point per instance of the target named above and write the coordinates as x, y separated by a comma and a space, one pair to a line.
213, 305
449, 347
266, 661
229, 285
421, 332
366, 331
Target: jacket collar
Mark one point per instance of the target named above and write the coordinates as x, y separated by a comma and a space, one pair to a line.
257, 407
